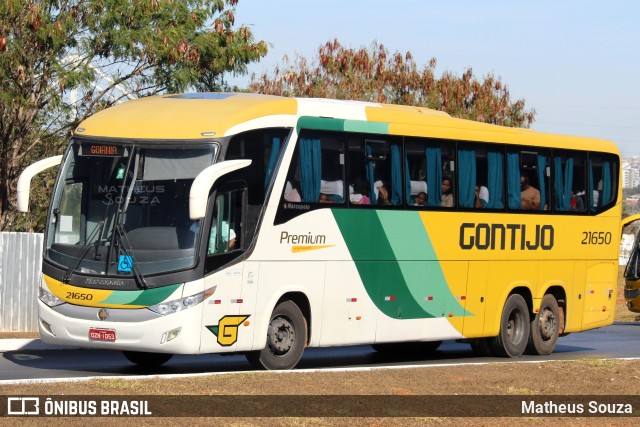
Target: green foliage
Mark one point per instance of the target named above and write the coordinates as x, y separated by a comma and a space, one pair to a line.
104, 51
379, 76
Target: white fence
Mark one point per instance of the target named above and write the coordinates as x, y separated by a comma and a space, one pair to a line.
20, 268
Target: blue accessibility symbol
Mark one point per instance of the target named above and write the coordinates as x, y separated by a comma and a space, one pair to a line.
125, 264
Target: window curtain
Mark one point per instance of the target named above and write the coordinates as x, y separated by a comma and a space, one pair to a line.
434, 176
407, 182
467, 178
592, 200
495, 180
606, 183
396, 175
563, 182
542, 167
513, 181
369, 171
568, 183
273, 157
557, 182
310, 169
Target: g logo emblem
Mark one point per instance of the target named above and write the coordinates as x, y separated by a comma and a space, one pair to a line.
103, 314
227, 329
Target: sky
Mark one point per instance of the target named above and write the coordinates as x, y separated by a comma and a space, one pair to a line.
576, 62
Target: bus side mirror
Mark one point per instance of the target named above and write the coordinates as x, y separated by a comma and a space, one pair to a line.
24, 181
199, 193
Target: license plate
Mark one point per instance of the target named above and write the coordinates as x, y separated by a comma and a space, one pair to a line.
102, 335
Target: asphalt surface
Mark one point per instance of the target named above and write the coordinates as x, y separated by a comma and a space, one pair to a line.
32, 360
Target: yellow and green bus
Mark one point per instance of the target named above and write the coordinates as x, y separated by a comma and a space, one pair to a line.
220, 222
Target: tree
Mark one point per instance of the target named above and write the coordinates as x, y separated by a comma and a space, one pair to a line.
378, 76
105, 51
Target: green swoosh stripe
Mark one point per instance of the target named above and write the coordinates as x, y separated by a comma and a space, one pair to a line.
377, 240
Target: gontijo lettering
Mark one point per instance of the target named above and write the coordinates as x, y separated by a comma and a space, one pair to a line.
506, 237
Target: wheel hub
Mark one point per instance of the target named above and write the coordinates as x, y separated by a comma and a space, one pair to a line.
547, 324
281, 335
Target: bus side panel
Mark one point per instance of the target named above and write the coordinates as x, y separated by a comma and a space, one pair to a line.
566, 275
348, 314
221, 319
249, 306
278, 278
500, 284
476, 297
575, 298
600, 293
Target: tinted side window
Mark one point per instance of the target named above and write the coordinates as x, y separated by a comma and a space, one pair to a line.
316, 173
480, 176
602, 181
569, 183
375, 170
431, 169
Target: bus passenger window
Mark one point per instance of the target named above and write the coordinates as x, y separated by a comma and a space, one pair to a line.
428, 162
316, 174
569, 180
603, 185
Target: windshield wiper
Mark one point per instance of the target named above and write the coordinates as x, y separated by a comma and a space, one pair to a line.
84, 250
125, 245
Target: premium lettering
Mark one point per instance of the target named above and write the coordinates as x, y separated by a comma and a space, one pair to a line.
302, 239
506, 237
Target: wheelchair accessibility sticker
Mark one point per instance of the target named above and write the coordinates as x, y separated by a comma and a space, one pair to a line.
125, 264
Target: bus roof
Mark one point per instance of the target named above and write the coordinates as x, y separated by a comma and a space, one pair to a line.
197, 116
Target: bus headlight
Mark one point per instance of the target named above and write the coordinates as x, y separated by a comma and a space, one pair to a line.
177, 305
48, 298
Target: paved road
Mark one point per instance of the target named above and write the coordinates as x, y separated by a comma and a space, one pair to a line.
616, 341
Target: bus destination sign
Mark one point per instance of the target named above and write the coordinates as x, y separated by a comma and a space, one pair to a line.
102, 150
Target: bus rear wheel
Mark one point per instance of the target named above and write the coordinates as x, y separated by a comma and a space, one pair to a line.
545, 327
286, 339
147, 360
514, 328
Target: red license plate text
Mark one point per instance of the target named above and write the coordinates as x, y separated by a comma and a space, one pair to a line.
102, 335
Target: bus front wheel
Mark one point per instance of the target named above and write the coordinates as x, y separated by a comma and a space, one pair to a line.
514, 328
286, 339
147, 360
545, 327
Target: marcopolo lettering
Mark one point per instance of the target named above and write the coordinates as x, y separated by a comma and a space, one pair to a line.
506, 237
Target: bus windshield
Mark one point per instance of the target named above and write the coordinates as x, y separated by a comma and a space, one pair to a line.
119, 209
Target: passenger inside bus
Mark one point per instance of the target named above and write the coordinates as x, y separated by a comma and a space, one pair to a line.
530, 196
482, 196
291, 193
360, 194
383, 195
420, 199
447, 193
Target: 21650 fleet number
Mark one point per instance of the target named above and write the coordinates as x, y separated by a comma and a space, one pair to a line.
596, 237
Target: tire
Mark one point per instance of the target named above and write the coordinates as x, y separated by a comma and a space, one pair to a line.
407, 347
545, 327
286, 339
482, 347
515, 324
147, 360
